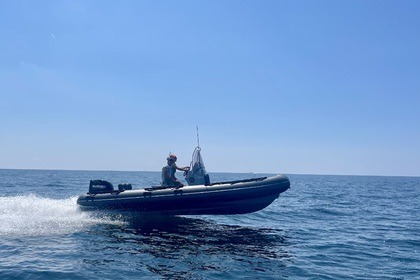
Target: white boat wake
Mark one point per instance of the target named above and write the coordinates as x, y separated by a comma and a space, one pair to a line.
31, 215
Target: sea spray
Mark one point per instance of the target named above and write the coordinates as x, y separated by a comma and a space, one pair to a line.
32, 215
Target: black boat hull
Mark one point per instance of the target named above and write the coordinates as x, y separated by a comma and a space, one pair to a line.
239, 197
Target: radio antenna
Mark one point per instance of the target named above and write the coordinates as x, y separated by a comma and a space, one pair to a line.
198, 138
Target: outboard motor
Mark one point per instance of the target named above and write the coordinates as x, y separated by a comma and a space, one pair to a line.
100, 186
197, 174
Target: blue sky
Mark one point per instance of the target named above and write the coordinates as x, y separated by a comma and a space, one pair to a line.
302, 87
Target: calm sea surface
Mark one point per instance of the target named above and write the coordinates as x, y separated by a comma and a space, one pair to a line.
324, 227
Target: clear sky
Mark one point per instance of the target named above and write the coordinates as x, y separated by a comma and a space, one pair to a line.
301, 87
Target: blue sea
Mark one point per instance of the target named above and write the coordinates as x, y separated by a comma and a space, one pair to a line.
323, 227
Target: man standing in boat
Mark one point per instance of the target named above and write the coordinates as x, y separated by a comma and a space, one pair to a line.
168, 173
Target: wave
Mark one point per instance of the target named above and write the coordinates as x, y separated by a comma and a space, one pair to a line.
32, 215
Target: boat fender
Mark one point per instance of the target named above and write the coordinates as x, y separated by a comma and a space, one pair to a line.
147, 194
178, 192
100, 186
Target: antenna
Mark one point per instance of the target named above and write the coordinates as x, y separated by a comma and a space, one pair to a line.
198, 138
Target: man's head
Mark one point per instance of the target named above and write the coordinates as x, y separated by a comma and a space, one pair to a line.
172, 158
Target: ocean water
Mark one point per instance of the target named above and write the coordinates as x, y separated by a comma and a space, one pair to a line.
324, 227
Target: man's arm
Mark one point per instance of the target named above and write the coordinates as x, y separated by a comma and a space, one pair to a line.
182, 168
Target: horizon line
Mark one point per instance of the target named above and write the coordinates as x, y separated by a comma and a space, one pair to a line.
225, 172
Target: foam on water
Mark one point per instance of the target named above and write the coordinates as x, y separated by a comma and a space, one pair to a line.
31, 215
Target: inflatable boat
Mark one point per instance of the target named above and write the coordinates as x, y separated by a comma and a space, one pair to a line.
200, 197
235, 197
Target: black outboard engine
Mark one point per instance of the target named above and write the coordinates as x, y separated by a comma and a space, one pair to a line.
100, 186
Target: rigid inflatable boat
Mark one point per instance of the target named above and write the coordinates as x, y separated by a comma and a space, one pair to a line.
200, 197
